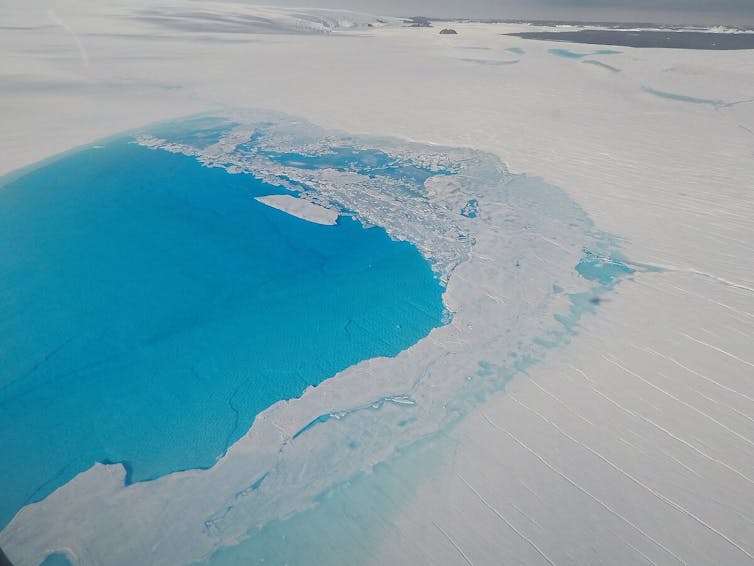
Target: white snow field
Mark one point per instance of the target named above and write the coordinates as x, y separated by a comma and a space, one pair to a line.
631, 441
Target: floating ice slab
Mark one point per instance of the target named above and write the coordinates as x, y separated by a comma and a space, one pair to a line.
301, 208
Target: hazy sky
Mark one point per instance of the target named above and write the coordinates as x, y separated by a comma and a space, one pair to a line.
729, 12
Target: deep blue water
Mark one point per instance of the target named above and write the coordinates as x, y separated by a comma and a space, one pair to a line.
150, 308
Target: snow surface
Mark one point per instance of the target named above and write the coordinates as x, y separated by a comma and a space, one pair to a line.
632, 444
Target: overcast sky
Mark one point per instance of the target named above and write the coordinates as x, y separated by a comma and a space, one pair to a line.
729, 12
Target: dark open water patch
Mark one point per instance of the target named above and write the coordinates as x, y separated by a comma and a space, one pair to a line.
647, 38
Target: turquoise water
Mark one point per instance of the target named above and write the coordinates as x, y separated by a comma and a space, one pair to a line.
568, 54
151, 308
56, 559
604, 270
471, 208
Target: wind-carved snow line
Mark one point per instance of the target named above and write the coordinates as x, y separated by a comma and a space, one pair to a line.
639, 552
663, 429
663, 452
454, 543
635, 480
506, 521
720, 350
734, 311
696, 373
703, 395
613, 361
560, 401
583, 490
744, 286
723, 405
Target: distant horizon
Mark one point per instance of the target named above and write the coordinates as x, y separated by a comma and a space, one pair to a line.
729, 13
542, 20
580, 22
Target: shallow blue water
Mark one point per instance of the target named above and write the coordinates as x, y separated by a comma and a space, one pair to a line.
151, 308
568, 54
604, 270
56, 559
470, 209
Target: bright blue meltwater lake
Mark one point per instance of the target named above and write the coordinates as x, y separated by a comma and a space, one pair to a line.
150, 308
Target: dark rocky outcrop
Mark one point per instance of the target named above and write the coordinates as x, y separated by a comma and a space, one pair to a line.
448, 31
